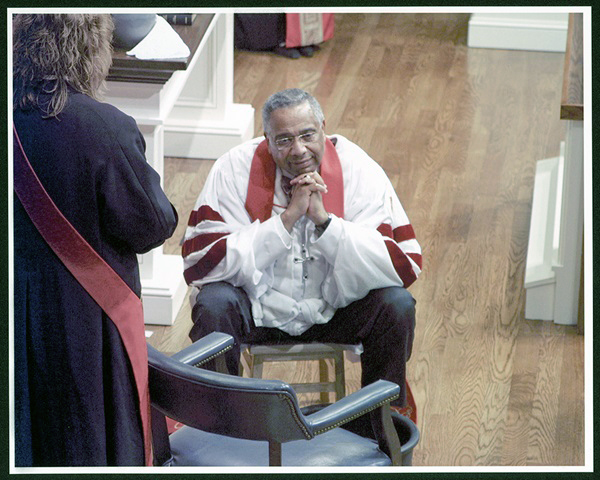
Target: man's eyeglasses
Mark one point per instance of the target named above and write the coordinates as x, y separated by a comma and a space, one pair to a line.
287, 142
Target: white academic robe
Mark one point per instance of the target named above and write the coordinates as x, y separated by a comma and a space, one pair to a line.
372, 246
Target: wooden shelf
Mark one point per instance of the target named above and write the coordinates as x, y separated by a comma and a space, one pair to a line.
127, 68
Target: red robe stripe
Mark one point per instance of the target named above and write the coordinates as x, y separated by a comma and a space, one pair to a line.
417, 258
386, 230
399, 259
203, 213
401, 263
404, 232
207, 263
200, 242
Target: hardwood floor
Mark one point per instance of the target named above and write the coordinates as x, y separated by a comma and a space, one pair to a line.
458, 131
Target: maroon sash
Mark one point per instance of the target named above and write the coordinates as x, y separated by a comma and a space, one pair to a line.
261, 187
104, 285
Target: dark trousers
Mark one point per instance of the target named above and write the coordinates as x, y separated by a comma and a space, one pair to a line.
383, 322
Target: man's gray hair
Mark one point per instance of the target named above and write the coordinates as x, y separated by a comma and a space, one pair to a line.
290, 98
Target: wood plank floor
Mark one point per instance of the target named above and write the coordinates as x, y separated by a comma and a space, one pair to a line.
458, 131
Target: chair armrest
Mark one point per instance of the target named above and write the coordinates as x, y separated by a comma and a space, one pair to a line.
205, 349
354, 405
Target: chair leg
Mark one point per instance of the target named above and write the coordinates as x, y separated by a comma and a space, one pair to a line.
387, 436
340, 376
257, 367
324, 378
274, 454
221, 365
246, 363
161, 448
254, 363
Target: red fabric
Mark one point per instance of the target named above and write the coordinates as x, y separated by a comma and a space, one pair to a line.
410, 410
200, 242
400, 259
209, 261
401, 263
261, 187
173, 425
109, 290
313, 32
417, 258
331, 172
203, 213
399, 234
214, 255
404, 232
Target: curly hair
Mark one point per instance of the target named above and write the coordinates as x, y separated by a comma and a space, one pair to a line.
290, 98
53, 53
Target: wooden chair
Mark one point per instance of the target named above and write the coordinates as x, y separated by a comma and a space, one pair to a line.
254, 357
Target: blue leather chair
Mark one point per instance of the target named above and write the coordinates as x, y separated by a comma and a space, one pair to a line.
237, 421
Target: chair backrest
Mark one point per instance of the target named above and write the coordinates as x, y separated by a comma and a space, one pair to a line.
248, 408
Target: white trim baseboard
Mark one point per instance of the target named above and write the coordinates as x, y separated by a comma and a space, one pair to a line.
525, 31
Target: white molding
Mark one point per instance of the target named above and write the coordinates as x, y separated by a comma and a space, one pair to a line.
162, 296
198, 138
568, 263
524, 31
539, 301
205, 89
540, 278
552, 273
204, 122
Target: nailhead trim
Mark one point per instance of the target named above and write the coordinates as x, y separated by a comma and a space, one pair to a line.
290, 405
346, 420
215, 355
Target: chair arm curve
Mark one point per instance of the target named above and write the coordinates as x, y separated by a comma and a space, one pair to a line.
354, 405
205, 349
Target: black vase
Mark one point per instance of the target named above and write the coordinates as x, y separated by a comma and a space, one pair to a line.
131, 28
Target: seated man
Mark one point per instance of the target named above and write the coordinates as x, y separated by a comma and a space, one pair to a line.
300, 237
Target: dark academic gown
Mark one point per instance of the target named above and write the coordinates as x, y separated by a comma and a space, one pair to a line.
266, 31
75, 396
259, 31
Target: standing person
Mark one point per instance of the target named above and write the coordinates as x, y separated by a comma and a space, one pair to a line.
300, 237
76, 397
289, 34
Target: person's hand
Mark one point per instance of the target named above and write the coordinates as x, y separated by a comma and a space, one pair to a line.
316, 210
304, 187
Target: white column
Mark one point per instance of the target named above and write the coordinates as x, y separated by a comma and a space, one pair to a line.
568, 265
163, 285
195, 109
205, 123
